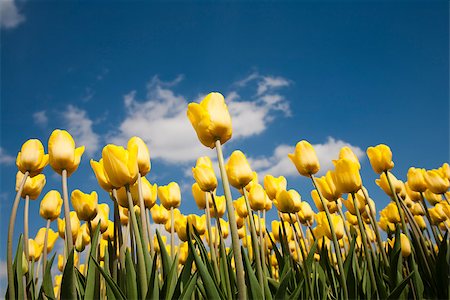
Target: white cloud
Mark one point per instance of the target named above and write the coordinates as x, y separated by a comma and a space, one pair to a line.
5, 158
280, 164
40, 118
161, 121
80, 126
9, 14
3, 269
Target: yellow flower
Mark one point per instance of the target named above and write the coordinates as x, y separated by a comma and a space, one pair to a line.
384, 184
123, 214
33, 185
79, 245
350, 203
51, 240
385, 225
391, 213
99, 171
416, 179
109, 233
351, 218
221, 207
103, 247
85, 205
240, 207
414, 196
347, 152
273, 185
327, 186
437, 214
332, 205
305, 159
420, 222
75, 226
170, 195
338, 224
160, 215
150, 193
102, 217
436, 183
405, 245
288, 201
238, 170
120, 165
183, 250
252, 183
50, 207
225, 228
200, 196
32, 157
347, 179
199, 223
305, 214
62, 152
211, 120
34, 250
204, 174
380, 158
143, 156
180, 228
445, 171
257, 197
432, 198
84, 232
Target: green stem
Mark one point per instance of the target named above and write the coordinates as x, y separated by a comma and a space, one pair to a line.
335, 241
142, 207
233, 226
45, 248
12, 221
150, 235
69, 240
172, 239
25, 229
210, 240
427, 213
347, 233
400, 210
140, 252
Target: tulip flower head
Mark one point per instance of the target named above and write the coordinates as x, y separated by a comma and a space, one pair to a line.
273, 185
305, 159
416, 179
204, 174
143, 155
33, 185
384, 184
85, 205
200, 196
52, 237
101, 218
62, 152
51, 204
211, 120
170, 195
32, 157
160, 215
74, 221
288, 201
436, 182
238, 170
99, 171
120, 164
327, 186
257, 197
347, 152
380, 158
347, 179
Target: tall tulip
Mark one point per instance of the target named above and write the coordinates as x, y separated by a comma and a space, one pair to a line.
204, 174
273, 185
305, 159
238, 170
85, 205
380, 158
32, 157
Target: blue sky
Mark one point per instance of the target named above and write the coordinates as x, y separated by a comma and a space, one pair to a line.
333, 73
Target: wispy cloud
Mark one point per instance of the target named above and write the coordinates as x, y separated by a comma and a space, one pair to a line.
80, 126
10, 16
160, 119
40, 118
5, 158
279, 163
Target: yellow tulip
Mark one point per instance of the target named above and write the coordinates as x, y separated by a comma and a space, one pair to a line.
204, 174
238, 170
32, 157
240, 207
242, 232
156, 242
109, 233
51, 239
416, 179
123, 214
414, 196
277, 228
200, 196
85, 236
120, 164
74, 222
253, 182
225, 228
50, 207
305, 214
386, 225
85, 205
122, 197
257, 197
33, 185
220, 205
160, 215
351, 218
34, 250
62, 152
239, 221
198, 222
384, 184
149, 193
143, 155
101, 217
180, 228
436, 183
347, 179
420, 222
405, 245
183, 253
103, 247
391, 213
360, 201
417, 209
170, 195
327, 186
380, 158
347, 152
273, 185
79, 245
432, 198
437, 214
211, 120
332, 205
305, 159
99, 171
288, 201
445, 170
338, 223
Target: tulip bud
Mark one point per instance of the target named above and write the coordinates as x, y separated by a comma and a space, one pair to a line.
51, 238
121, 167
62, 152
101, 217
252, 183
75, 226
50, 207
211, 120
436, 183
380, 158
204, 174
220, 206
79, 245
327, 186
416, 180
143, 155
432, 198
420, 222
405, 245
238, 170
305, 214
85, 205
384, 184
149, 193
240, 207
34, 250
32, 157
159, 214
109, 233
33, 185
170, 195
99, 171
332, 206
437, 214
180, 228
288, 201
359, 200
305, 159
338, 224
414, 196
123, 214
257, 197
200, 196
273, 185
347, 179
224, 226
347, 152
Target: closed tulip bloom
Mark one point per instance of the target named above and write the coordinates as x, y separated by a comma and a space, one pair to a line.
414, 196
51, 240
380, 158
445, 171
405, 245
160, 215
332, 205
183, 251
198, 222
99, 171
50, 207
109, 233
437, 214
268, 205
122, 197
253, 182
242, 232
305, 214
211, 120
417, 209
416, 179
338, 225
79, 245
239, 221
32, 157
392, 213
170, 195
257, 197
149, 193
102, 217
200, 196
34, 250
120, 164
436, 183
123, 214
85, 235
225, 228
62, 152
347, 152
288, 201
384, 184
305, 159
327, 186
273, 185
33, 185
347, 179
351, 218
360, 201
420, 222
240, 207
74, 222
432, 198
238, 170
85, 205
220, 205
180, 228
204, 174
385, 225
143, 156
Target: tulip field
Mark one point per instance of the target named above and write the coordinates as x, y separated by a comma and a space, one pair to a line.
343, 247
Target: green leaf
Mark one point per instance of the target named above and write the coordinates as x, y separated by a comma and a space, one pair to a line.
189, 288
395, 294
254, 289
68, 290
171, 280
283, 285
165, 258
19, 273
47, 284
92, 285
109, 292
443, 269
153, 287
132, 290
117, 292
